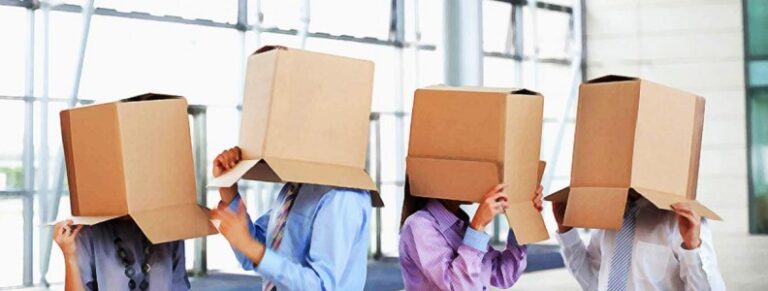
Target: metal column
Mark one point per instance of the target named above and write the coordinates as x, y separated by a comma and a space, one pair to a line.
200, 150
28, 153
44, 195
303, 32
463, 56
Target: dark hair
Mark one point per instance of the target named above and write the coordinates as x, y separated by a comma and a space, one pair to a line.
411, 203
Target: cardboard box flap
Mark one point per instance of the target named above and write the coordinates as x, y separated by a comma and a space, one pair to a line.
157, 154
460, 180
559, 196
149, 97
596, 207
525, 220
172, 223
230, 177
665, 200
611, 78
90, 136
86, 220
324, 174
524, 91
267, 48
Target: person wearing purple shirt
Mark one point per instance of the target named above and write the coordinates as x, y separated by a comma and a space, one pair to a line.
441, 249
115, 255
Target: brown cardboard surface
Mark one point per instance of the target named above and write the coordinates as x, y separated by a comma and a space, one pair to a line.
166, 150
632, 134
605, 128
595, 207
466, 140
665, 200
134, 157
526, 220
438, 178
171, 223
664, 139
92, 148
559, 196
303, 124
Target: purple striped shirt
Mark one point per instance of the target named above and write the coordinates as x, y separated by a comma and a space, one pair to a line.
439, 252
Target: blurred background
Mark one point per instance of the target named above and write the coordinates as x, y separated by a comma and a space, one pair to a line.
59, 54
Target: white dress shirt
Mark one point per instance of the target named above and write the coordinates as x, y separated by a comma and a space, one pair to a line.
658, 260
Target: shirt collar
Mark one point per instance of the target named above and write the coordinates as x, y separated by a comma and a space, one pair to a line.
445, 219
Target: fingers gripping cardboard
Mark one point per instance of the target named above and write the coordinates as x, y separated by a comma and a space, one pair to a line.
465, 140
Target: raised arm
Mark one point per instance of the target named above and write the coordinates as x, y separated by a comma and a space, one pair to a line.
75, 254
583, 262
695, 251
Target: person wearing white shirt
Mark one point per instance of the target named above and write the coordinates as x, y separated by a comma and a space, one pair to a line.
654, 250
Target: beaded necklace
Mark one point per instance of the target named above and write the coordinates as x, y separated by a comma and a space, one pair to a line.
127, 259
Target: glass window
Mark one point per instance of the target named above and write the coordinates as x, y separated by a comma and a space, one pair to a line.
757, 18
759, 160
364, 18
13, 51
496, 18
222, 11
12, 133
430, 21
201, 63
758, 73
757, 106
12, 247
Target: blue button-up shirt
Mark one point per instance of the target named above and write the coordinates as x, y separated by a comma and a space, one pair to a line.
325, 241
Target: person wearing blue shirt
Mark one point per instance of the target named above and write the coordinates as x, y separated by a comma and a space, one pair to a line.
315, 238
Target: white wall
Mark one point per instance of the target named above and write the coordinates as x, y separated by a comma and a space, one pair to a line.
697, 46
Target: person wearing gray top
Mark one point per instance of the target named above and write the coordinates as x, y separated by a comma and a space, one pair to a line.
115, 255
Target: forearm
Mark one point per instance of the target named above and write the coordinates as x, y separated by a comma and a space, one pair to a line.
578, 259
228, 193
252, 250
698, 266
508, 265
72, 280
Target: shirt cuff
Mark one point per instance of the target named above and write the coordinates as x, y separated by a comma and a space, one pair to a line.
270, 264
690, 257
511, 238
569, 238
232, 204
476, 239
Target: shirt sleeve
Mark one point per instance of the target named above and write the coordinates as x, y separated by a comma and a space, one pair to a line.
698, 267
257, 229
447, 269
85, 258
179, 272
582, 262
507, 265
340, 224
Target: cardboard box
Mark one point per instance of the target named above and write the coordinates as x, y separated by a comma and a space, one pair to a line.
632, 135
305, 119
134, 157
465, 141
